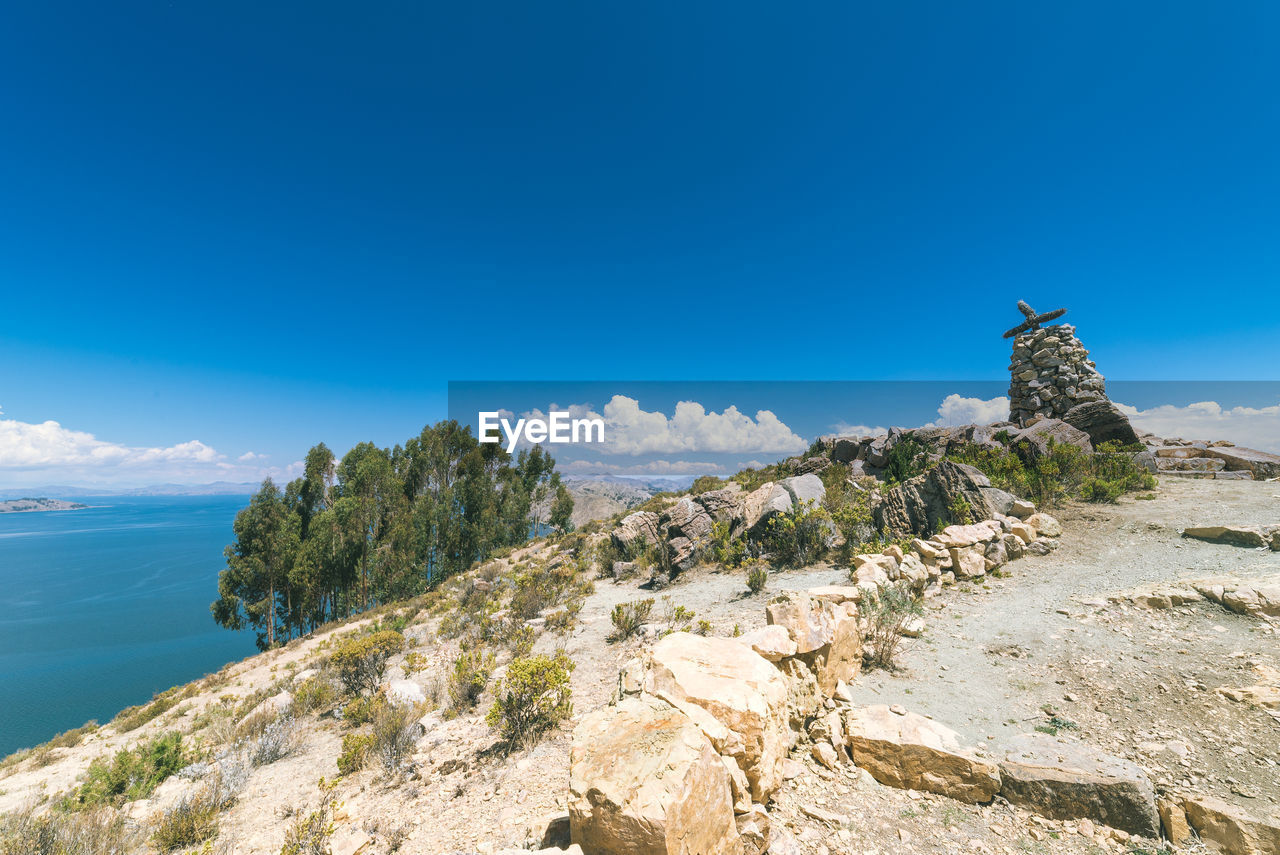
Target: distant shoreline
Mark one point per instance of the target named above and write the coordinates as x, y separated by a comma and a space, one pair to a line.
32, 506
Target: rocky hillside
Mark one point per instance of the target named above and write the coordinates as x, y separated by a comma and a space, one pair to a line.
976, 674
598, 498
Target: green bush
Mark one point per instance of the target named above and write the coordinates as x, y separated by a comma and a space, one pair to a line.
132, 718
532, 698
726, 550
1060, 472
757, 577
677, 618
361, 662
908, 458
471, 672
394, 730
310, 834
100, 831
888, 613
627, 618
194, 819
798, 537
315, 693
355, 753
131, 774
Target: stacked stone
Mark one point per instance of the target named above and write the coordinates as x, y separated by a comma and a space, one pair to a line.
1050, 373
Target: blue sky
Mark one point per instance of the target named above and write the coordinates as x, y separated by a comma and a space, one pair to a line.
262, 225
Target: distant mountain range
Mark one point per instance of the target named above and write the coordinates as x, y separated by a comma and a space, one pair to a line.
62, 491
597, 497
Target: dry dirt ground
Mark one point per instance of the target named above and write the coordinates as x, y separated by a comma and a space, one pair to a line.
1044, 645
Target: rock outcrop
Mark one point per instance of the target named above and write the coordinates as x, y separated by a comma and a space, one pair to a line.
737, 697
671, 796
906, 750
1070, 780
1102, 421
928, 501
1228, 829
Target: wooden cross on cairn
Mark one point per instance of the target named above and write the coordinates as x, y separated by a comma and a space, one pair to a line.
1033, 321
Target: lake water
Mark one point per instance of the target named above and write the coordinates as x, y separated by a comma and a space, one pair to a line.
104, 607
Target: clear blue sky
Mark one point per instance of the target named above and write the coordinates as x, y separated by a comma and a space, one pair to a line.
261, 225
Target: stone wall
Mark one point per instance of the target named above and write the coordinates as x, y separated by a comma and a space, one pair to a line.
1050, 373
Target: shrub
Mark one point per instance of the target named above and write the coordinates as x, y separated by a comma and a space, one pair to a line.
532, 698
960, 511
315, 693
359, 710
705, 483
629, 617
394, 730
277, 740
907, 458
800, 536
1061, 471
703, 627
194, 819
471, 672
355, 752
130, 774
726, 550
361, 662
100, 831
677, 618
310, 835
757, 577
850, 509
132, 718
888, 614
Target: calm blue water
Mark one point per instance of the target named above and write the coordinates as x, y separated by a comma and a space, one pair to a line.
102, 608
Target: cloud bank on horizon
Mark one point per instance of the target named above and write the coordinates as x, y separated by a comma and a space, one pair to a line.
33, 454
633, 431
639, 442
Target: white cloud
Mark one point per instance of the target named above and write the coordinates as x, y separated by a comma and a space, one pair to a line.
846, 429
690, 429
249, 457
1207, 420
955, 410
48, 451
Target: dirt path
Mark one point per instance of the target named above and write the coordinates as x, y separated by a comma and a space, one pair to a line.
1000, 657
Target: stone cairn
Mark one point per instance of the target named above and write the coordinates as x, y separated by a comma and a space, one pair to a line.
1051, 371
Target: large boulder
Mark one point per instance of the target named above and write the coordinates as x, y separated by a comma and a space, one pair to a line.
1223, 827
687, 518
737, 697
644, 778
636, 532
724, 505
1102, 421
923, 504
763, 504
1070, 780
1032, 443
1262, 464
1230, 534
909, 751
810, 621
772, 642
804, 489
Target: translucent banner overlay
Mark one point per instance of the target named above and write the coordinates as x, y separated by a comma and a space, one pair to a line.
681, 429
